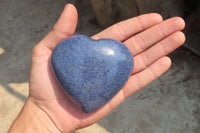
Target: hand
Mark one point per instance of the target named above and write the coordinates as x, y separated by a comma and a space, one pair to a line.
148, 37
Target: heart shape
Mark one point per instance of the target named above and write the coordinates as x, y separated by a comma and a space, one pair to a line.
91, 71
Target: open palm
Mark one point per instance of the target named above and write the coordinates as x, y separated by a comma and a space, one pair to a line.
148, 37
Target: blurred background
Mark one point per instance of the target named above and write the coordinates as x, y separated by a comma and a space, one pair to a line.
168, 105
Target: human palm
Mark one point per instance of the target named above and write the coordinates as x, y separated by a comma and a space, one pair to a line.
148, 37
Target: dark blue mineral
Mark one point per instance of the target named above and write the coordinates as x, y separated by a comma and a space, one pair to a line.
91, 71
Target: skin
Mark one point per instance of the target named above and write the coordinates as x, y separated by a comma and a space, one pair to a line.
49, 109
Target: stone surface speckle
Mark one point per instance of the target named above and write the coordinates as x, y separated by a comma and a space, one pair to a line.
91, 71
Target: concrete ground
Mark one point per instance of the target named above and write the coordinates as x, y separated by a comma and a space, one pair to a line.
171, 104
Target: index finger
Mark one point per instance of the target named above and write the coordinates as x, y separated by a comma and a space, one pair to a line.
125, 29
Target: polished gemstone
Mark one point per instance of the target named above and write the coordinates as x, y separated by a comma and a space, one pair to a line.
91, 71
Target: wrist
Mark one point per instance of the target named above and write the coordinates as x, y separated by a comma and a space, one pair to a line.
33, 119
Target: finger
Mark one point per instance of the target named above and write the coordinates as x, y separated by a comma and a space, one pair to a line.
127, 28
146, 39
140, 80
161, 49
64, 27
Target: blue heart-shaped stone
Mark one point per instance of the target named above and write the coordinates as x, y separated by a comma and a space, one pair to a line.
91, 71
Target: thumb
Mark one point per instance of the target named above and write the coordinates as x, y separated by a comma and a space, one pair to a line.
66, 24
64, 27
